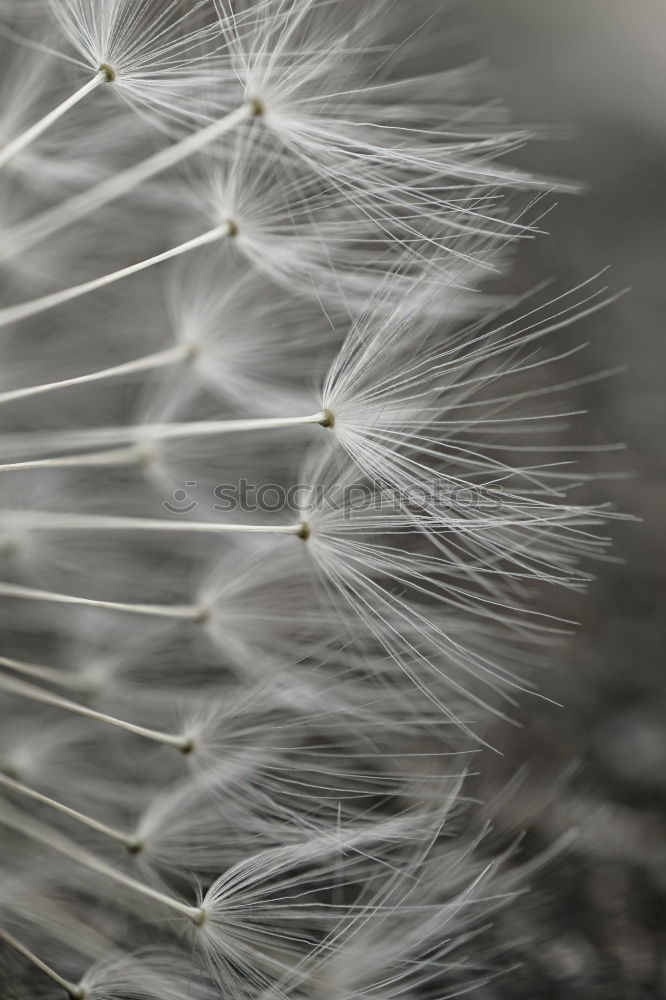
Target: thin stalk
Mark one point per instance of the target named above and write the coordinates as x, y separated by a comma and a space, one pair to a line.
61, 678
26, 826
35, 230
175, 611
32, 133
106, 437
30, 793
71, 989
159, 360
33, 693
37, 520
113, 458
13, 314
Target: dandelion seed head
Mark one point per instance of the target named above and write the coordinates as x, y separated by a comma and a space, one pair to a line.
243, 245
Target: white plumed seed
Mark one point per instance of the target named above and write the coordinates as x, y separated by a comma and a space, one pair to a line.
33, 231
375, 950
155, 58
352, 112
155, 54
399, 594
265, 914
308, 240
430, 417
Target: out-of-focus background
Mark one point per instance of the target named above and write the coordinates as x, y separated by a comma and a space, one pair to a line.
596, 922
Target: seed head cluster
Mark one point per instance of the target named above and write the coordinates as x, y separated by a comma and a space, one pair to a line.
278, 482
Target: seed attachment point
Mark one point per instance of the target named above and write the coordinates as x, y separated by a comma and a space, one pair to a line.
257, 106
305, 531
328, 418
188, 746
233, 227
108, 71
203, 617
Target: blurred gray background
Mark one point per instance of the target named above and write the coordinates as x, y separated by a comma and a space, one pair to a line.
598, 68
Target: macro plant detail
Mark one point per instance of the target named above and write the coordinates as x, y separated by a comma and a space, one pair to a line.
252, 240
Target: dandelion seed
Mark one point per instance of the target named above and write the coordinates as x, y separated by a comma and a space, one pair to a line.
157, 56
